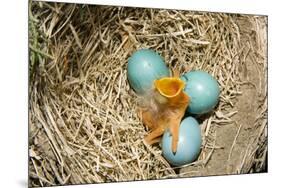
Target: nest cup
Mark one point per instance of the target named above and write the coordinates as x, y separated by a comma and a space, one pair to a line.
83, 123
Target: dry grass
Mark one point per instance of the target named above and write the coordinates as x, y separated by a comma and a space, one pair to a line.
83, 126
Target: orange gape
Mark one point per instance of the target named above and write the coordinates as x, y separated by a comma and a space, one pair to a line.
168, 106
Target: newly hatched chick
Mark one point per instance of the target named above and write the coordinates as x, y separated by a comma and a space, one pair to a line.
164, 108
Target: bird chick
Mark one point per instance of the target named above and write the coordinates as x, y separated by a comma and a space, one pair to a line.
164, 110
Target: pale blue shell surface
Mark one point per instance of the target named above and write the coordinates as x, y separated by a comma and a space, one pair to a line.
189, 143
203, 90
145, 66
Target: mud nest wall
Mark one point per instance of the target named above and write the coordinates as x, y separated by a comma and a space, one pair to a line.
83, 125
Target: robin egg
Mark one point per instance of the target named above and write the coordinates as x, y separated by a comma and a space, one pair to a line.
189, 143
203, 90
145, 66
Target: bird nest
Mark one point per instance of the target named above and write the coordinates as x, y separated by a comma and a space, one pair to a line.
83, 123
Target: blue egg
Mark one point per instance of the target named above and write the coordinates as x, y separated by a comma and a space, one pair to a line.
189, 143
203, 90
145, 66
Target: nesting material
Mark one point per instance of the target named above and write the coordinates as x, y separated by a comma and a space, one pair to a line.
83, 123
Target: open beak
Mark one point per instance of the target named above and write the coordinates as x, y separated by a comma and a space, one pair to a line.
169, 87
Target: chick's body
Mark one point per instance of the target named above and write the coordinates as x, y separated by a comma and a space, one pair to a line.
165, 109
